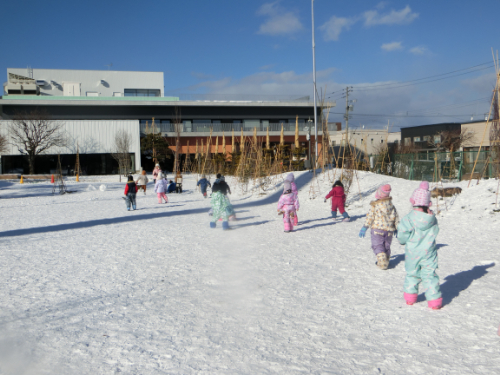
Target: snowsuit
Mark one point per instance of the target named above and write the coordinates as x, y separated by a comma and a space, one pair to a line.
219, 209
383, 220
171, 187
338, 201
291, 178
142, 181
203, 184
160, 188
418, 231
223, 187
289, 206
130, 193
155, 173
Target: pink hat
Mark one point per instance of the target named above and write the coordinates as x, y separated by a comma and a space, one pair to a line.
383, 192
422, 195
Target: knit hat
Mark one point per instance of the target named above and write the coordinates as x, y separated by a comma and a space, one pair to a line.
290, 177
287, 186
160, 176
422, 195
383, 192
130, 178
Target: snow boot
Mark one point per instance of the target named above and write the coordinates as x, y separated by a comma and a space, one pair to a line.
435, 304
213, 224
288, 228
382, 261
225, 225
295, 220
410, 298
133, 207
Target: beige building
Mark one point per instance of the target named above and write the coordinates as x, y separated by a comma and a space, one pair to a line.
478, 131
368, 141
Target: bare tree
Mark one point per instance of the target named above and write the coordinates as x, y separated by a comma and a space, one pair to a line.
121, 153
33, 133
3, 143
451, 140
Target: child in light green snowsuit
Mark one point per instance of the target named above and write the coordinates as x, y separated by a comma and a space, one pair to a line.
219, 210
418, 230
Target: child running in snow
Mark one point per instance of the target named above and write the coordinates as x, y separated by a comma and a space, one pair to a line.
161, 188
220, 210
130, 193
203, 184
338, 200
418, 230
288, 206
383, 220
291, 178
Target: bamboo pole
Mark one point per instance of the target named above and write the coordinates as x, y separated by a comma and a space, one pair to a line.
282, 136
255, 136
268, 144
297, 132
242, 141
233, 145
217, 145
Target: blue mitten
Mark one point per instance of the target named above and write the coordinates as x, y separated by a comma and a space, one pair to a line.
395, 233
362, 232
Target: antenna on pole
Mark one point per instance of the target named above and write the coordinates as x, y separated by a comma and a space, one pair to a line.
109, 65
314, 83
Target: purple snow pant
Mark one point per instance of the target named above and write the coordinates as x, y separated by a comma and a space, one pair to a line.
381, 241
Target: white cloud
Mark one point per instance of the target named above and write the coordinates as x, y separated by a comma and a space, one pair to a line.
401, 17
267, 67
334, 26
418, 50
392, 46
279, 22
201, 76
382, 5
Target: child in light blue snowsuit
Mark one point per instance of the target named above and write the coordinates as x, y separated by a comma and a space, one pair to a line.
418, 230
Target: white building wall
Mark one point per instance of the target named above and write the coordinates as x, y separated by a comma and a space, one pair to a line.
100, 82
92, 137
365, 140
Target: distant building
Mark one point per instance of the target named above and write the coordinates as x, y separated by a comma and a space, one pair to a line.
426, 137
104, 100
366, 141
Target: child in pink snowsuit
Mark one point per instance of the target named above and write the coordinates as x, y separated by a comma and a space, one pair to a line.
291, 178
161, 188
288, 205
338, 200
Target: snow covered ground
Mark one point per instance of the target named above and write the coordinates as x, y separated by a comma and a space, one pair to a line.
89, 288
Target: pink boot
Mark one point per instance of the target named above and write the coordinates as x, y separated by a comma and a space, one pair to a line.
288, 227
435, 304
295, 220
410, 298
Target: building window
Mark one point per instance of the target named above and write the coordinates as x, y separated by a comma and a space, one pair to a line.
437, 138
427, 138
142, 92
416, 139
407, 141
334, 143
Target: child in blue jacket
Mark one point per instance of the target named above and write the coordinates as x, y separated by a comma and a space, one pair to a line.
418, 230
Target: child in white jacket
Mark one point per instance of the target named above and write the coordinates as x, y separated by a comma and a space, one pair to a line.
161, 188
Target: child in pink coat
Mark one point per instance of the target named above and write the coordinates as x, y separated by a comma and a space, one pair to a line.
291, 178
338, 200
288, 206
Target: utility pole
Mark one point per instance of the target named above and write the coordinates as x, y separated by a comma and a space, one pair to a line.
347, 109
314, 88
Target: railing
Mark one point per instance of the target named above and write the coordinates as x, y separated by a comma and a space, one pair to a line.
228, 127
241, 97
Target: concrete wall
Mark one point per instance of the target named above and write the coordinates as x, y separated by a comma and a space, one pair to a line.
90, 80
92, 137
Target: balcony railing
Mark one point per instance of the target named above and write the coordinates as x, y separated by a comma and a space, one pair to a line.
229, 127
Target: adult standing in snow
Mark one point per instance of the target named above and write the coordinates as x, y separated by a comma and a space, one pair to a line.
291, 178
383, 220
203, 183
156, 171
338, 200
161, 188
130, 193
418, 231
142, 181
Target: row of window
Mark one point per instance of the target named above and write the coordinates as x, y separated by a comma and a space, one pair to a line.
142, 92
425, 138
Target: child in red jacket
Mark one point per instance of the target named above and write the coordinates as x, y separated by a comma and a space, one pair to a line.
338, 200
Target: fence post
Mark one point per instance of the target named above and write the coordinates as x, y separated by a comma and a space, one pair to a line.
411, 167
460, 166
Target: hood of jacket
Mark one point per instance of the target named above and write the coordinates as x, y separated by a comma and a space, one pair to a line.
290, 177
421, 220
373, 203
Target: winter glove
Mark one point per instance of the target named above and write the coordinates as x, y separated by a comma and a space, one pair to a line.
325, 200
395, 233
362, 232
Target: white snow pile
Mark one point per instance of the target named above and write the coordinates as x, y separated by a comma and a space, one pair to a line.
87, 287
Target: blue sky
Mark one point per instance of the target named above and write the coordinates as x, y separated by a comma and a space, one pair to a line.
264, 48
